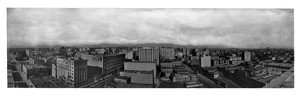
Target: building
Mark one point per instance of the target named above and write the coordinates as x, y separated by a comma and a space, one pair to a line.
29, 53
129, 55
194, 60
122, 79
47, 82
205, 61
286, 80
247, 56
141, 66
54, 70
108, 62
149, 54
140, 77
235, 60
72, 70
186, 52
181, 77
215, 62
193, 84
35, 71
167, 53
113, 63
206, 52
37, 60
170, 64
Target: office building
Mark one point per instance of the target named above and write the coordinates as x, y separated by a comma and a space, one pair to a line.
112, 63
29, 53
186, 52
129, 55
72, 70
149, 54
247, 56
167, 53
205, 61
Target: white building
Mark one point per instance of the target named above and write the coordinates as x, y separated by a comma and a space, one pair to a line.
205, 61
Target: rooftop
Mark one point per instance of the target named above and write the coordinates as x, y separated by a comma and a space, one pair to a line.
133, 85
122, 77
286, 80
265, 78
48, 82
280, 64
138, 71
30, 66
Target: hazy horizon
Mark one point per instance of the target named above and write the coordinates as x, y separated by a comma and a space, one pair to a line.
236, 28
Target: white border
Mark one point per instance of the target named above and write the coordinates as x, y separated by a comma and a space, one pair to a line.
84, 93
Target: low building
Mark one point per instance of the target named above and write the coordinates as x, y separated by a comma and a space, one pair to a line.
286, 80
193, 84
184, 77
47, 82
122, 79
171, 64
141, 77
141, 66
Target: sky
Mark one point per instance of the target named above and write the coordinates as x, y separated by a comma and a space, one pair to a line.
237, 28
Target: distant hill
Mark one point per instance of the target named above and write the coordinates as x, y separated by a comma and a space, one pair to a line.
134, 45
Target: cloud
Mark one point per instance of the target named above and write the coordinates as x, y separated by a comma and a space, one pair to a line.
241, 28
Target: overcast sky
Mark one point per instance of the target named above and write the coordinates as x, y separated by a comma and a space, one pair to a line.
239, 28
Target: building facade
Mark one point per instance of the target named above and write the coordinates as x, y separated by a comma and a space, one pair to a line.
72, 70
167, 53
141, 66
149, 54
205, 61
247, 56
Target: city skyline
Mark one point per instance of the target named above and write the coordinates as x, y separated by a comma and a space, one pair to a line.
236, 28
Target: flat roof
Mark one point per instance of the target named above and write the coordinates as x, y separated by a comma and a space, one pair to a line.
133, 85
138, 71
286, 80
122, 77
280, 64
48, 82
265, 78
34, 66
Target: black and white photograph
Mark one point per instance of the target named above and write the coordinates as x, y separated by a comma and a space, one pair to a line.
150, 48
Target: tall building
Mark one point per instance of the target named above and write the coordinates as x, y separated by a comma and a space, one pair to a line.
110, 63
205, 61
72, 70
54, 70
149, 54
186, 52
247, 56
167, 53
113, 63
29, 53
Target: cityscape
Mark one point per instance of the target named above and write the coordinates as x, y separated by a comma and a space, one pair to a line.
150, 48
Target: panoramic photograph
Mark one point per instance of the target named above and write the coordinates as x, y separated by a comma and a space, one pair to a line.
150, 48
